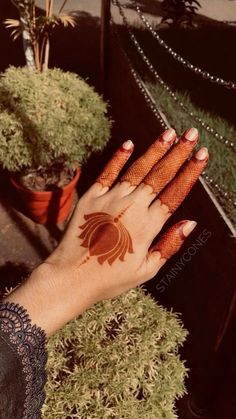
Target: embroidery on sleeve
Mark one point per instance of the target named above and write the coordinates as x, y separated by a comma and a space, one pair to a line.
28, 341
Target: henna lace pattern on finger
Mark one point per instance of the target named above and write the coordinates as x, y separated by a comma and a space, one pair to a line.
140, 168
105, 237
171, 241
165, 170
114, 166
174, 194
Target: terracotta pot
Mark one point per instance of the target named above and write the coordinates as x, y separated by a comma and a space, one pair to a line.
45, 207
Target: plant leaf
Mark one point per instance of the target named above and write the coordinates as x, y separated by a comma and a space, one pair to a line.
15, 25
12, 23
44, 24
66, 20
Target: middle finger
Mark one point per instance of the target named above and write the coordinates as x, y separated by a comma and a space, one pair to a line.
139, 169
165, 170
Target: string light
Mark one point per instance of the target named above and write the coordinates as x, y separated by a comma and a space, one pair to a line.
152, 105
205, 74
228, 143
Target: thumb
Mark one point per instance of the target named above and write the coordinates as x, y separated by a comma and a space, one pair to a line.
169, 244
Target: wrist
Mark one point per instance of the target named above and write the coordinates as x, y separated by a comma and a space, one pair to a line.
51, 298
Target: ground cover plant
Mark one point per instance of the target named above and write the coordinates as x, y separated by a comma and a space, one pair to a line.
117, 360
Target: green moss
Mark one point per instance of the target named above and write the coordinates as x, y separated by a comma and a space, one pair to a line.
47, 118
118, 360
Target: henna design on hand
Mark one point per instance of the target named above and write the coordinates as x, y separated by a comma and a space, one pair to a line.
114, 166
171, 241
140, 168
165, 170
174, 194
106, 237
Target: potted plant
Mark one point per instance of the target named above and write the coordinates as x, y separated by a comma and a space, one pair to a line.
50, 123
50, 120
119, 359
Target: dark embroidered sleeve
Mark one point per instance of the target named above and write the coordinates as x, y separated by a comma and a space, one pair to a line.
22, 364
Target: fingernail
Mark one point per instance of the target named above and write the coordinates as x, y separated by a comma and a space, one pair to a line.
169, 135
127, 145
187, 228
202, 154
191, 134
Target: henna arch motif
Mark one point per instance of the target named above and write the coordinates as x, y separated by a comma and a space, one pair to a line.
106, 237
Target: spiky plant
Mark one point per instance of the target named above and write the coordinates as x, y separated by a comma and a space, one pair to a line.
36, 29
118, 360
179, 11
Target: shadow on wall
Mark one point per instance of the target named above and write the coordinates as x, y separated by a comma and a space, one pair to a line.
153, 7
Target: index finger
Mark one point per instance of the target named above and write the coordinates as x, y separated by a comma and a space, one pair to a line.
113, 167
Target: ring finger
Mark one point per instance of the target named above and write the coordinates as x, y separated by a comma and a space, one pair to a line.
177, 190
165, 170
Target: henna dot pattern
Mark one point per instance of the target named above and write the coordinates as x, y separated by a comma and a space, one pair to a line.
106, 237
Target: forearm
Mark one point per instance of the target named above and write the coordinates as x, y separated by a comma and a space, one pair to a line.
50, 298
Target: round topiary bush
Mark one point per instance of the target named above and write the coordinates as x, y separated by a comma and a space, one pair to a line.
49, 118
117, 360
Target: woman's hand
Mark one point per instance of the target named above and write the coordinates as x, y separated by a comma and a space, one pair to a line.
109, 245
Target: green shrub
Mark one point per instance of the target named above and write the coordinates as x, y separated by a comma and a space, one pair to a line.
118, 360
49, 118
